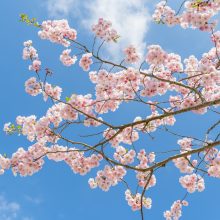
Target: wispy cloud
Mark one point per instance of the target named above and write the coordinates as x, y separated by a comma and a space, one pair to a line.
34, 200
11, 210
8, 210
58, 8
129, 17
27, 218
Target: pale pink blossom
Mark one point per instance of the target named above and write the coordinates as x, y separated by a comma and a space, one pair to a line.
86, 61
57, 31
66, 59
104, 30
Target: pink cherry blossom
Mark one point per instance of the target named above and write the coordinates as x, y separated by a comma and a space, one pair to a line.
165, 87
52, 91
156, 55
108, 177
176, 210
35, 65
57, 31
104, 30
131, 54
85, 61
29, 52
32, 87
66, 59
135, 201
192, 183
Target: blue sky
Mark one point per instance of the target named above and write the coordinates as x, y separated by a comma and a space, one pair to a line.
55, 192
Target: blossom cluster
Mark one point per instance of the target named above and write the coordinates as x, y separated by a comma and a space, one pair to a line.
213, 156
86, 61
33, 87
127, 136
27, 162
66, 59
131, 55
29, 52
113, 88
216, 38
28, 126
36, 129
176, 210
196, 14
5, 164
81, 164
184, 164
123, 155
57, 31
145, 160
156, 55
135, 201
201, 73
103, 29
210, 154
109, 176
24, 162
185, 144
77, 104
192, 183
42, 128
51, 91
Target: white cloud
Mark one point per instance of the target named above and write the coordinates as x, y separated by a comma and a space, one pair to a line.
60, 7
8, 210
129, 17
11, 210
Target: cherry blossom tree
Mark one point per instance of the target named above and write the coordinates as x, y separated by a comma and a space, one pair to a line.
161, 82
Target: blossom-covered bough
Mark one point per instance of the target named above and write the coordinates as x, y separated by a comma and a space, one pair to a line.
162, 83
